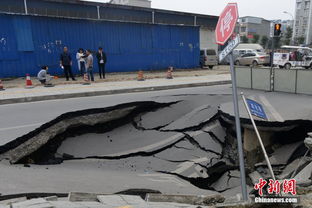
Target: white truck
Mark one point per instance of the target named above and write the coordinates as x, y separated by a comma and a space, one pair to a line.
293, 56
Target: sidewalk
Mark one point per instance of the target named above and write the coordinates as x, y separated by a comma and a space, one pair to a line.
76, 89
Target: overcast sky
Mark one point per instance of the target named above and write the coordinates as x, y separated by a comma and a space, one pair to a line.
269, 9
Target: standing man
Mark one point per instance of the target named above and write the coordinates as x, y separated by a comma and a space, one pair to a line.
101, 58
66, 63
89, 65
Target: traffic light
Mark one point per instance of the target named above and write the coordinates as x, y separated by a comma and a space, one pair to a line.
277, 30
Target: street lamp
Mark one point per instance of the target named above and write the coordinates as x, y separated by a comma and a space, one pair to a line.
290, 14
293, 23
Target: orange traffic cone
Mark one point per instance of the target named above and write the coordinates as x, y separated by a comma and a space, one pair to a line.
169, 73
140, 76
1, 86
28, 82
86, 79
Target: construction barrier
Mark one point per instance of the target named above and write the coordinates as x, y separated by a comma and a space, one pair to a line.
141, 76
29, 83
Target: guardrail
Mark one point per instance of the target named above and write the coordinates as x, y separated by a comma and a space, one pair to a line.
279, 80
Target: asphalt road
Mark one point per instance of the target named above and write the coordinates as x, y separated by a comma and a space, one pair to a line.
164, 129
19, 119
107, 176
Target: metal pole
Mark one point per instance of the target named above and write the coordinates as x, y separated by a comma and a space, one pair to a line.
272, 66
195, 20
98, 12
25, 6
259, 138
238, 130
153, 17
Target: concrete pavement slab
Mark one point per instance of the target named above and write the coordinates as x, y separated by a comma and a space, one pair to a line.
121, 141
33, 203
89, 204
194, 118
66, 204
282, 155
227, 181
305, 175
112, 200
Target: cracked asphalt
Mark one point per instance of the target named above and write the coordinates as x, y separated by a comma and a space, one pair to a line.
180, 142
173, 141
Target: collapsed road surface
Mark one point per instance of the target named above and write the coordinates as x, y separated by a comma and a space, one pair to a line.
172, 141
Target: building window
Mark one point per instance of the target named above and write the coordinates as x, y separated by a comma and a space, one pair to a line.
243, 29
298, 5
307, 5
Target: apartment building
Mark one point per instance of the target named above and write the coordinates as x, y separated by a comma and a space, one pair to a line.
302, 26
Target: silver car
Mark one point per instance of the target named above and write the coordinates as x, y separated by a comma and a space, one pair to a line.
253, 59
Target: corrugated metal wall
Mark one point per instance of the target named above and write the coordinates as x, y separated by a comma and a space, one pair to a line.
27, 42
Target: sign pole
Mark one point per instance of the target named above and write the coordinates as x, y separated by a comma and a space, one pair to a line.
272, 65
238, 130
259, 138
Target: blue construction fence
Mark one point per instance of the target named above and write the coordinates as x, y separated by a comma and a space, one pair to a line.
28, 42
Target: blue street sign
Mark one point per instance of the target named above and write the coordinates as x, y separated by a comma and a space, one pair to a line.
256, 109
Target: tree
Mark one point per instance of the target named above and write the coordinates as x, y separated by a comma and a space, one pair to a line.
277, 42
300, 40
264, 41
244, 39
256, 38
288, 35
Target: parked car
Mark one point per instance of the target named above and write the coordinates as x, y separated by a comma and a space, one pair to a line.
208, 57
253, 59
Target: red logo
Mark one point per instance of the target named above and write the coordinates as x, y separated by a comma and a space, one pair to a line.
274, 187
226, 24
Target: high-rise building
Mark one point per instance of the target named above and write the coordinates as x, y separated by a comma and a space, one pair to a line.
303, 17
139, 3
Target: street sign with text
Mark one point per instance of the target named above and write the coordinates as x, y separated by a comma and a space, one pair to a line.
226, 24
229, 48
224, 31
256, 109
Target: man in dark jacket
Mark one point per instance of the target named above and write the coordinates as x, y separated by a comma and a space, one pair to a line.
101, 58
66, 63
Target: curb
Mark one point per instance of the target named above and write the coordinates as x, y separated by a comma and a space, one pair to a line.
109, 92
186, 199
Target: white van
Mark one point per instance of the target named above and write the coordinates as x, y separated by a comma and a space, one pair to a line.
208, 57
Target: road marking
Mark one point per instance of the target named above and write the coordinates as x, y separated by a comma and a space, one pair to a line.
272, 110
20, 127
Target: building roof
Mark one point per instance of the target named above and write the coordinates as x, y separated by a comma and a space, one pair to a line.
256, 18
106, 11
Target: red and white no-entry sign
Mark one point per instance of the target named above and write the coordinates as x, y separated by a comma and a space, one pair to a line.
226, 24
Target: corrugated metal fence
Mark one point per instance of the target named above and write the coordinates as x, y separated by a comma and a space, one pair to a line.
27, 42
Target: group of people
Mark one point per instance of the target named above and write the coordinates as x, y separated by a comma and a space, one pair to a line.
85, 65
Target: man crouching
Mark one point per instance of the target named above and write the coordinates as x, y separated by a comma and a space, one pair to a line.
44, 77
